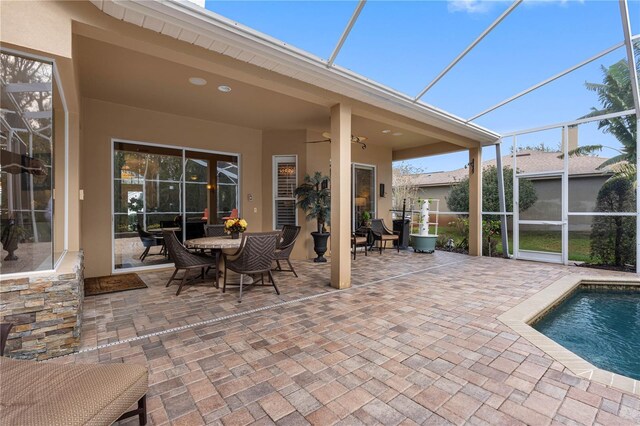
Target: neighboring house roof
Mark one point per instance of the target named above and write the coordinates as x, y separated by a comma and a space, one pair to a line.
195, 25
527, 162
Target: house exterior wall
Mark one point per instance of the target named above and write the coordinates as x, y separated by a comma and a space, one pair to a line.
312, 158
102, 121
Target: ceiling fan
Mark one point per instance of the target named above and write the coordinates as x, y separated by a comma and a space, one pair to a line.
354, 139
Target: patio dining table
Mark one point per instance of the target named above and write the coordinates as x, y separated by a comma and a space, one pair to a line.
217, 245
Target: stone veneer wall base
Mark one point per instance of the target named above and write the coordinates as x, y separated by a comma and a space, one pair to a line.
46, 310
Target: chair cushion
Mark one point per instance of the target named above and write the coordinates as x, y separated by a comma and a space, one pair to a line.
390, 237
360, 240
43, 393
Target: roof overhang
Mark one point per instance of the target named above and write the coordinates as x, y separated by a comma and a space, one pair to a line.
192, 24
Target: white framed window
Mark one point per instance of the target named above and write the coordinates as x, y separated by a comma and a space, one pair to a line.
285, 181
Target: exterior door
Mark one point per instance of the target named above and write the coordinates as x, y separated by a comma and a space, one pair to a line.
539, 225
363, 197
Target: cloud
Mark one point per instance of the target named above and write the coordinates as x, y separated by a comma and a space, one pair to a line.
484, 6
469, 6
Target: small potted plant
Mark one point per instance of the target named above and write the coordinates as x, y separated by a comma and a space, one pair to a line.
235, 227
366, 218
314, 197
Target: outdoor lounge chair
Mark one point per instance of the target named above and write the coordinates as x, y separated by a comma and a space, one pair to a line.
285, 247
186, 260
45, 393
149, 240
254, 256
382, 234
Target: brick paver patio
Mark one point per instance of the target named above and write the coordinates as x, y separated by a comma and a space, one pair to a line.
415, 341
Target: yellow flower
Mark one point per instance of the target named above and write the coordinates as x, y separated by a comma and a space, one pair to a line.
229, 223
243, 223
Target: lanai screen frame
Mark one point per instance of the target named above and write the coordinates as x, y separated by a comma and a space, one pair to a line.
628, 41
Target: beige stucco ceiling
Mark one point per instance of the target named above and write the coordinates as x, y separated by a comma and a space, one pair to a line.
116, 74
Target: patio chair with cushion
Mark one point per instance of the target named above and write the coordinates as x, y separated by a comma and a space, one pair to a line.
46, 393
359, 241
233, 215
149, 240
254, 256
381, 234
186, 260
289, 236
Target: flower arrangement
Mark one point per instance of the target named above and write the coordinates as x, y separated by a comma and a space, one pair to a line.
235, 226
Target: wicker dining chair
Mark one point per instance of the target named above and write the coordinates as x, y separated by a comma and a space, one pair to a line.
185, 260
289, 236
382, 234
214, 230
254, 256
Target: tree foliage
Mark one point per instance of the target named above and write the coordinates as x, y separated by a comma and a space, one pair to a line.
613, 238
615, 95
458, 198
404, 185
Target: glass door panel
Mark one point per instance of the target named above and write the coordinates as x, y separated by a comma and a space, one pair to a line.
364, 194
227, 190
147, 192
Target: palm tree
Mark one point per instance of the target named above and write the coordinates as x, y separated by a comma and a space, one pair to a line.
615, 94
314, 197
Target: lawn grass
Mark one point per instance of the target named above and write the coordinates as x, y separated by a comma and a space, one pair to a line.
579, 242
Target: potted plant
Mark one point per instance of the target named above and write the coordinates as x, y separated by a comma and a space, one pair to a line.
366, 218
314, 197
235, 227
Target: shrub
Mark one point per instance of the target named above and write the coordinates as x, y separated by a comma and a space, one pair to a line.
458, 198
613, 238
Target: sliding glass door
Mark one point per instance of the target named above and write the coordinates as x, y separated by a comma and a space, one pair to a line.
158, 188
363, 200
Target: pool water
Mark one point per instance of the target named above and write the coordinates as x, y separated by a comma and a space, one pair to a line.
601, 326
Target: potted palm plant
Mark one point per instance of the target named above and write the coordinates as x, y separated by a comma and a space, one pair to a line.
314, 197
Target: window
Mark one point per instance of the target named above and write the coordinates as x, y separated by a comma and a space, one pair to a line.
285, 179
32, 150
159, 187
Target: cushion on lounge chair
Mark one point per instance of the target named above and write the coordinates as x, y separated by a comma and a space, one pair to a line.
389, 237
43, 393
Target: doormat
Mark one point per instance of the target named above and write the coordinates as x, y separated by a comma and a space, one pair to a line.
112, 284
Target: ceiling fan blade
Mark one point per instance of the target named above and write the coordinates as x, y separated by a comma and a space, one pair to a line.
326, 135
320, 141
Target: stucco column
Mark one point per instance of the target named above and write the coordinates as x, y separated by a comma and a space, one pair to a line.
475, 201
341, 196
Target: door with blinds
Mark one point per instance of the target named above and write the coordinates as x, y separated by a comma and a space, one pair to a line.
285, 180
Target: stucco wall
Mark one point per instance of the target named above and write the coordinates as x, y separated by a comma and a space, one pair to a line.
102, 121
312, 158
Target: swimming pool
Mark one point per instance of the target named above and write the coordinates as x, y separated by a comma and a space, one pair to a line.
600, 325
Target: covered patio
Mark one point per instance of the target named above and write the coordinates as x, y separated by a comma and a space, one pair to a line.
414, 341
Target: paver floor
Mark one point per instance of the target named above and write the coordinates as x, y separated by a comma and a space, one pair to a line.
416, 340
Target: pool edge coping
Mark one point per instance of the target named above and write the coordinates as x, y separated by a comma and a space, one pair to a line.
522, 315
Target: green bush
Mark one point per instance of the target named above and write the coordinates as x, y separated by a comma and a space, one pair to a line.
458, 198
613, 238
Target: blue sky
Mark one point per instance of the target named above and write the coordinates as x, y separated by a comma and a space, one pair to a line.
406, 44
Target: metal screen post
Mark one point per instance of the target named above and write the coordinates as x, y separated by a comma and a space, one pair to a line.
503, 209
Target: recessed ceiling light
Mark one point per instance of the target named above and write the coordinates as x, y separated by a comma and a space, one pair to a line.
397, 134
385, 131
224, 89
197, 81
